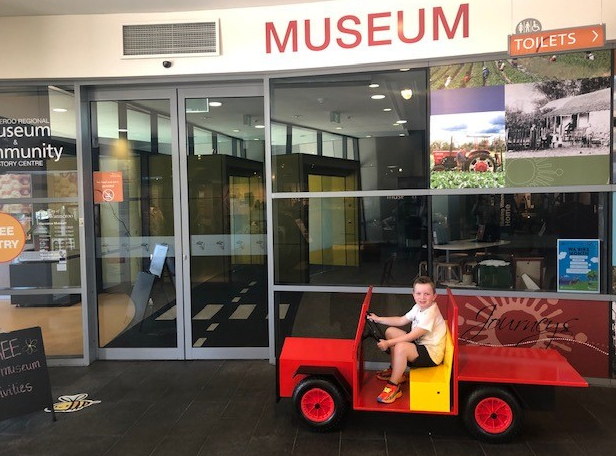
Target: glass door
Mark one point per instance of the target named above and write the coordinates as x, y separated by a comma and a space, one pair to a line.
134, 151
223, 155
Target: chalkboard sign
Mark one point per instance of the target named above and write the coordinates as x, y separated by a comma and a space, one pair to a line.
24, 380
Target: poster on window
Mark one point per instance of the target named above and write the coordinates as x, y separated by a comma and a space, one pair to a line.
578, 265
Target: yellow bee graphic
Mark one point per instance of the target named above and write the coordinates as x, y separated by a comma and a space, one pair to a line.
73, 403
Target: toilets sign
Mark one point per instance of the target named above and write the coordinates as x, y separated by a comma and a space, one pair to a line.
12, 238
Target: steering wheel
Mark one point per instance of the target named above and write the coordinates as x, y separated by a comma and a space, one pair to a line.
373, 330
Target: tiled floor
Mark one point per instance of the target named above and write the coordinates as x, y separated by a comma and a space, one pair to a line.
228, 408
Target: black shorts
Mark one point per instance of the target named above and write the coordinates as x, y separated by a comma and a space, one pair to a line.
423, 360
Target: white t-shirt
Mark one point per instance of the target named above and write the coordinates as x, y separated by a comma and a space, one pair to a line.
432, 321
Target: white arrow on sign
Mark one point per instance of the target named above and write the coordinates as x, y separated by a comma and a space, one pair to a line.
596, 36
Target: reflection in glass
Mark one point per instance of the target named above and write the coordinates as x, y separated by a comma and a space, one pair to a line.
340, 126
39, 167
135, 307
333, 316
335, 241
228, 272
509, 241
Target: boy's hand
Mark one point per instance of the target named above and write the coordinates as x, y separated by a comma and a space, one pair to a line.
383, 345
373, 317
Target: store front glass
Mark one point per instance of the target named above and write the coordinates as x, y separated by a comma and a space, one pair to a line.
225, 156
41, 279
180, 224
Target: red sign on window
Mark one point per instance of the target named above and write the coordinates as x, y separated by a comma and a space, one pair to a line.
108, 187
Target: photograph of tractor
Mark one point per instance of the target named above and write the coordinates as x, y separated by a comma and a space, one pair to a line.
475, 160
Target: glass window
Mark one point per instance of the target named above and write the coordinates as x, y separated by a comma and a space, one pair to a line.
38, 190
373, 125
335, 241
334, 315
509, 241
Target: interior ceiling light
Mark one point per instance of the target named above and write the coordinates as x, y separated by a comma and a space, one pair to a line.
373, 85
377, 97
59, 110
401, 121
338, 128
215, 103
405, 69
387, 109
406, 94
259, 126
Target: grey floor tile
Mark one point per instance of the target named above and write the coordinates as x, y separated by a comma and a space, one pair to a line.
507, 449
228, 438
198, 419
317, 444
135, 445
271, 445
363, 447
408, 444
179, 446
556, 448
458, 448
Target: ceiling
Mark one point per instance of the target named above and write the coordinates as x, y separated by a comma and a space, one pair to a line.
65, 7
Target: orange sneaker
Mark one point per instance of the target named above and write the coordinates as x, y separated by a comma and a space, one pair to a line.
390, 393
385, 374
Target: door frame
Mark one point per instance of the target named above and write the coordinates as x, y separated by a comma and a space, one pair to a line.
219, 91
177, 95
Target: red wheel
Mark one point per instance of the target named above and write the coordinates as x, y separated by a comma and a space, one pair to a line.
481, 162
317, 405
319, 402
493, 414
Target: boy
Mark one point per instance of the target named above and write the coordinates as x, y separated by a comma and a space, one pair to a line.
422, 346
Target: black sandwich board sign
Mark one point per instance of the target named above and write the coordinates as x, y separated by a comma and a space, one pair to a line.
24, 380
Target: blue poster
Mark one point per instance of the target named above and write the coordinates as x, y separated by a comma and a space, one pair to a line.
578, 265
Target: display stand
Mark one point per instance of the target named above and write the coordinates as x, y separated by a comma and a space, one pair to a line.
141, 295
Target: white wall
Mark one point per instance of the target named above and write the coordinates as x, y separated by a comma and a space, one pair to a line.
90, 46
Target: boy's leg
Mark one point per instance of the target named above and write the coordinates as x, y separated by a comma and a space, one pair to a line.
402, 353
390, 333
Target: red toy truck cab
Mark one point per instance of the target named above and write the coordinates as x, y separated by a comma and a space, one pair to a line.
489, 386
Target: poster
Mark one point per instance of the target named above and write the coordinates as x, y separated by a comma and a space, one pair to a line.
578, 265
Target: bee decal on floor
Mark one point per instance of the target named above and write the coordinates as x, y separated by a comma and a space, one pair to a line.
75, 403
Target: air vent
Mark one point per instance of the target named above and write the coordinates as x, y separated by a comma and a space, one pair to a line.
152, 40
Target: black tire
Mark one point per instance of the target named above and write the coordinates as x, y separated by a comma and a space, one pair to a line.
319, 402
493, 414
474, 163
438, 168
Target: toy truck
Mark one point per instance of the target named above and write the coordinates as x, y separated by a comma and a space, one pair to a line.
488, 386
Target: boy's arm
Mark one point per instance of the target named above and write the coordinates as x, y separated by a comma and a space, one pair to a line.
389, 321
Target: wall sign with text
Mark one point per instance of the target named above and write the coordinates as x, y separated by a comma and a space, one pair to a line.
578, 265
108, 187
